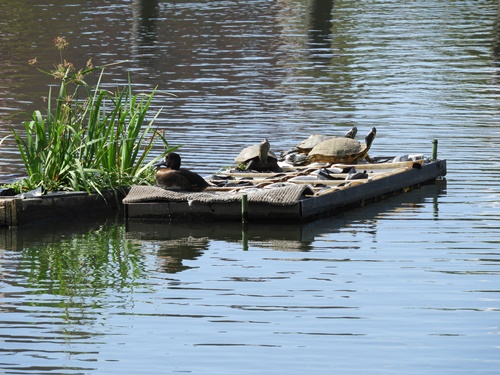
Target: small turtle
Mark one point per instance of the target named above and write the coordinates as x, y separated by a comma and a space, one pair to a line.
341, 150
258, 157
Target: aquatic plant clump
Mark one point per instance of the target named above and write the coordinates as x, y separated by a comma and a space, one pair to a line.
90, 138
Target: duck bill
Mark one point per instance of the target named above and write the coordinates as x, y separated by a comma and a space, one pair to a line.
160, 164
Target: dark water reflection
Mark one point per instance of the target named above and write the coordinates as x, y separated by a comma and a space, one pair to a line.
407, 285
319, 28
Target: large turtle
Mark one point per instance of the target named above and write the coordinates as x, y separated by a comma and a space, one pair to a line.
297, 156
258, 157
341, 150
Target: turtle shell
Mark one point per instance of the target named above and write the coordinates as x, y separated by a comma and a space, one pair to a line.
341, 150
315, 139
251, 152
308, 144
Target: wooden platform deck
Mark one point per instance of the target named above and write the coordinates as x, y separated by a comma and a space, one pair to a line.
321, 198
17, 211
325, 198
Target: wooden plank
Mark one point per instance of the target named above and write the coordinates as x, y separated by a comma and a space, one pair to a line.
330, 182
261, 175
221, 211
255, 178
328, 204
8, 211
340, 178
375, 166
19, 211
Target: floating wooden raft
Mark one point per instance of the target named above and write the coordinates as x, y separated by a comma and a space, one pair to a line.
294, 195
19, 210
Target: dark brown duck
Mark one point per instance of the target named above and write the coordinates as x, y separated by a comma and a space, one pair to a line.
170, 175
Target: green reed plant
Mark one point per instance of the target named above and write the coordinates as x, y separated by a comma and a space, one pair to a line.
90, 138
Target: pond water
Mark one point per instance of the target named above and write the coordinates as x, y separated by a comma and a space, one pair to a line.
408, 285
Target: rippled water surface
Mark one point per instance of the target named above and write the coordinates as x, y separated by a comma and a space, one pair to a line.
408, 285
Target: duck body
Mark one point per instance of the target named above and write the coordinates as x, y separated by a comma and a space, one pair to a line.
170, 175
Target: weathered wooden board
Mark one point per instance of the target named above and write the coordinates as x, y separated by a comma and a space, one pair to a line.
220, 211
17, 211
379, 188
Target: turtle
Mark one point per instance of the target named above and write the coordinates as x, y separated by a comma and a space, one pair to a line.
297, 156
308, 144
314, 139
258, 157
341, 150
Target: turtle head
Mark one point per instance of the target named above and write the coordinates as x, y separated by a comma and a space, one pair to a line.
371, 136
351, 133
264, 150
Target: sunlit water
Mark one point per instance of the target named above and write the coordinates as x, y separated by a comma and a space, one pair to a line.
408, 285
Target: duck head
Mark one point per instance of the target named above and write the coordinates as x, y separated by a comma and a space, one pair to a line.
170, 160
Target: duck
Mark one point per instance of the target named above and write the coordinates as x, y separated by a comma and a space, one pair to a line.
170, 175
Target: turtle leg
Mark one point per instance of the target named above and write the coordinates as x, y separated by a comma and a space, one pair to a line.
369, 159
252, 165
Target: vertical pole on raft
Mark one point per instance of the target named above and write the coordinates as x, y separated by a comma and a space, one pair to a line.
244, 208
244, 221
434, 149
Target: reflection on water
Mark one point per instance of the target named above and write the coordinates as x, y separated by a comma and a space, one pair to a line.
496, 38
105, 296
65, 258
407, 285
180, 240
145, 15
319, 28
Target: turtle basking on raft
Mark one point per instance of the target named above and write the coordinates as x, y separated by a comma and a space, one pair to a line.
258, 157
314, 139
298, 155
341, 150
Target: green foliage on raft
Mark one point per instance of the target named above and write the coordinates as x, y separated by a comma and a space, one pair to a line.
90, 139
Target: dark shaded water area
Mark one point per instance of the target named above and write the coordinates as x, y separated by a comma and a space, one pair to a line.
402, 286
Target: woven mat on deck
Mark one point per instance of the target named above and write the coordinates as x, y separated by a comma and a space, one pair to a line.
280, 196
